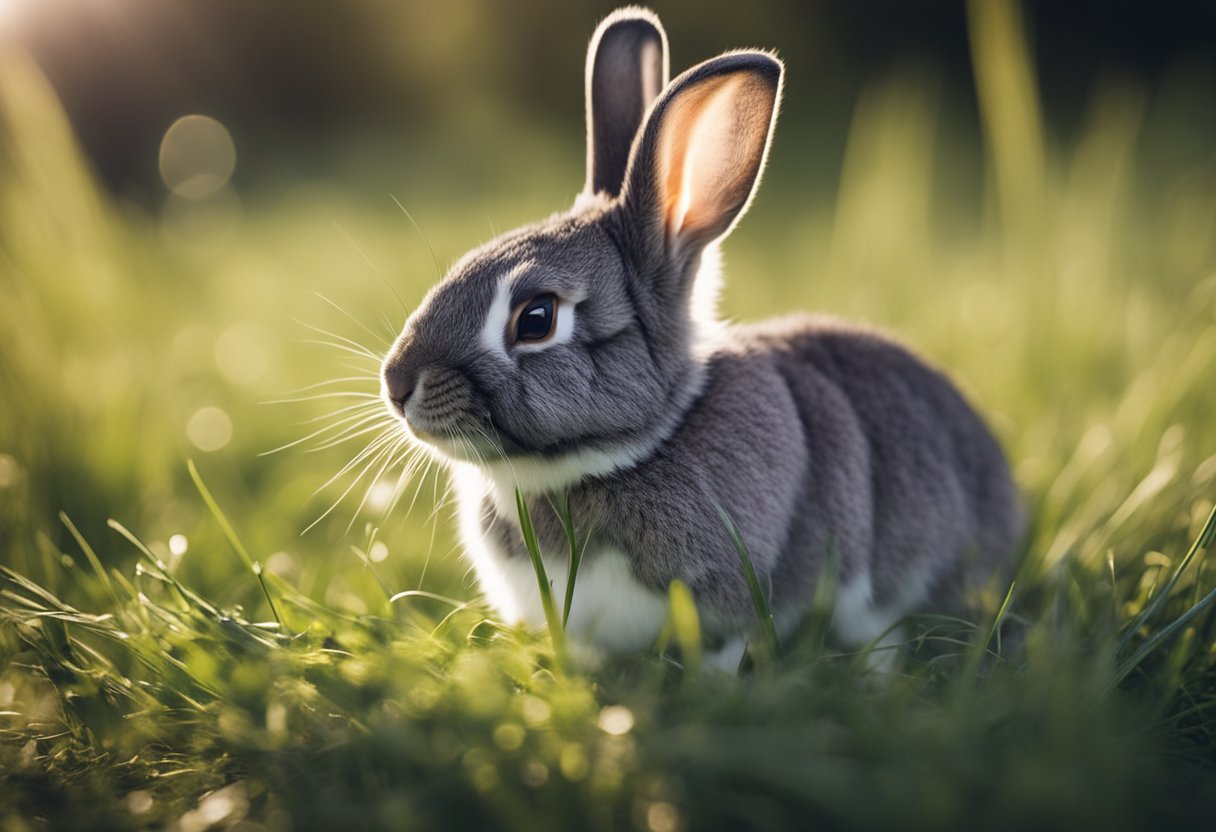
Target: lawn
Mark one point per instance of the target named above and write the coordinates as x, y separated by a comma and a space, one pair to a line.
202, 631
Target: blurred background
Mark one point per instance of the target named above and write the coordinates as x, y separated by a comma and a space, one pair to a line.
356, 90
1025, 192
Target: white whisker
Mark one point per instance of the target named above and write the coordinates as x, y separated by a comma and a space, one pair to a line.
375, 458
389, 459
350, 433
333, 394
328, 383
359, 351
425, 239
339, 426
373, 447
347, 411
388, 326
350, 342
377, 272
355, 320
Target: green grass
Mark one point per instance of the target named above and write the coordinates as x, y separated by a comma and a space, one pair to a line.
153, 674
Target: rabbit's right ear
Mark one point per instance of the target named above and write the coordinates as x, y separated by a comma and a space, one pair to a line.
626, 70
698, 158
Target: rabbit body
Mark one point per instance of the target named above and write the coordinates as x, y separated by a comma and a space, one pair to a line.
811, 435
580, 358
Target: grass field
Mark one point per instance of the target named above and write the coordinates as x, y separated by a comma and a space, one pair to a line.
170, 663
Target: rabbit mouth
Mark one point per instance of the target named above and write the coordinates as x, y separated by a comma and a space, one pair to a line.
465, 438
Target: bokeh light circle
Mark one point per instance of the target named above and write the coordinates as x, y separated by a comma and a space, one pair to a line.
197, 156
209, 429
9, 471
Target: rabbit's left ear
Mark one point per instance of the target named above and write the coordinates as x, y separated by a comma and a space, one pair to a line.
626, 71
698, 158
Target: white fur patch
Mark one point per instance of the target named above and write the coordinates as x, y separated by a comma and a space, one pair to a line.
708, 329
855, 618
610, 609
858, 620
727, 657
537, 475
584, 201
494, 330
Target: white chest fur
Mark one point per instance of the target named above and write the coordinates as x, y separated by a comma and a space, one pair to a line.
610, 608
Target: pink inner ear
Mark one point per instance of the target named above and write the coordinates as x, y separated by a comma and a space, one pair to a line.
712, 146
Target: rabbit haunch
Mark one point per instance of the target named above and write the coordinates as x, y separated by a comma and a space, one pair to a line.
825, 443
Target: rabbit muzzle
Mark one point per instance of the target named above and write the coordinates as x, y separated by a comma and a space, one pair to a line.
435, 403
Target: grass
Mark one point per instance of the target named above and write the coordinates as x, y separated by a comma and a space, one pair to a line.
152, 675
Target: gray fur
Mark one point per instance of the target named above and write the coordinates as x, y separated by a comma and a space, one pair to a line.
810, 433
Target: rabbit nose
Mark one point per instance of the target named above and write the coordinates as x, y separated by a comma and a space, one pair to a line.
399, 385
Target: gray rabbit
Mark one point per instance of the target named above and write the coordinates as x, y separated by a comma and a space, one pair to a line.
582, 356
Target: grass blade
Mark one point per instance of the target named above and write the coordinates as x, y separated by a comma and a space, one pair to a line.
576, 549
1160, 636
686, 626
764, 613
1205, 539
980, 648
552, 619
1202, 541
94, 561
230, 533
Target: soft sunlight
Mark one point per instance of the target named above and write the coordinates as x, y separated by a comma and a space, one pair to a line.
586, 568
9, 10
23, 18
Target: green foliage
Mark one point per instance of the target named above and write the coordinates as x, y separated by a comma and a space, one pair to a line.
764, 614
556, 624
151, 678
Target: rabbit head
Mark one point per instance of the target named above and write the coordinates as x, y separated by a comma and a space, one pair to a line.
570, 347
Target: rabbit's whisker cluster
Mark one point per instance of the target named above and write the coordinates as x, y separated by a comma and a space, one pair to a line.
361, 415
340, 429
386, 341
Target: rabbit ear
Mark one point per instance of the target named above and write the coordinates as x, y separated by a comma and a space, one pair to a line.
626, 71
698, 158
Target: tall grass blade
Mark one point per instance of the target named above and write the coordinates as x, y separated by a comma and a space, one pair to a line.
229, 532
1160, 636
158, 568
552, 619
980, 648
1201, 542
94, 561
219, 515
576, 549
1204, 539
764, 613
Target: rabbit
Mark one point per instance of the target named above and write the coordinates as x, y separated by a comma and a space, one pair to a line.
581, 358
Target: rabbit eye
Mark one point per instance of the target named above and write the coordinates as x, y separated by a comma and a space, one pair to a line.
534, 320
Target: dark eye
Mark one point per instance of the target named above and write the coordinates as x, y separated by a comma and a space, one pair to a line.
535, 319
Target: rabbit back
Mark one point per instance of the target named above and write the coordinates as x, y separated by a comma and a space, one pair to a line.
930, 483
